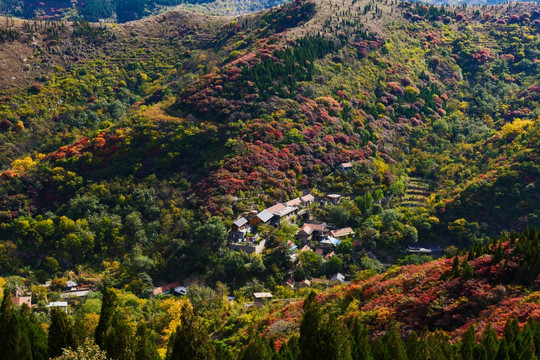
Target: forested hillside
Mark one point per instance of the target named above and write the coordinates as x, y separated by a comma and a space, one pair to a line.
297, 148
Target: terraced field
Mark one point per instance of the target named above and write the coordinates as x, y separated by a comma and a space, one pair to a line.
416, 193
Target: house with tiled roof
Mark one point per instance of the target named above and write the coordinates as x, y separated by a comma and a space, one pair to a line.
346, 166
165, 288
342, 233
307, 199
312, 231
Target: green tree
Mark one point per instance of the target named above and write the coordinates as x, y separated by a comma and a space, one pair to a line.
502, 352
455, 267
190, 341
88, 350
119, 342
108, 308
146, 348
213, 233
468, 344
60, 333
258, 349
393, 343
310, 338
489, 341
467, 271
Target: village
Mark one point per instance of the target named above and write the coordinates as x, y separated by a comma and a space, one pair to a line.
313, 235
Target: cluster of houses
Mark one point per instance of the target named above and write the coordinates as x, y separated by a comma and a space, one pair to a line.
243, 235
70, 290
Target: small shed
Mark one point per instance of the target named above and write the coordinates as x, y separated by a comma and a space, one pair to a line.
261, 297
58, 304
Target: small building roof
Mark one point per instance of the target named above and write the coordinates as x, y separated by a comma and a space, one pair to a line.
307, 198
331, 241
19, 300
346, 165
333, 196
275, 208
71, 283
308, 228
342, 232
292, 245
262, 295
57, 304
305, 248
294, 202
165, 288
241, 222
265, 215
182, 290
338, 277
286, 211
80, 293
329, 255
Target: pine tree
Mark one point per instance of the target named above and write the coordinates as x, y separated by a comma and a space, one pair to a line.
35, 335
108, 308
527, 350
60, 333
258, 349
502, 352
14, 343
146, 348
361, 349
118, 341
335, 343
511, 331
310, 339
190, 341
394, 344
455, 267
413, 347
499, 255
468, 344
467, 271
489, 342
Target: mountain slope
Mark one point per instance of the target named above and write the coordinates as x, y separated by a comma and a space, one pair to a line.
149, 138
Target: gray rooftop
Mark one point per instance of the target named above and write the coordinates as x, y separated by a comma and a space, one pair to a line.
265, 215
241, 222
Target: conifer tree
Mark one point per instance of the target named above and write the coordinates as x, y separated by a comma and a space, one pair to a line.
190, 341
335, 343
108, 308
360, 341
35, 335
14, 342
455, 267
394, 344
309, 328
118, 341
146, 348
468, 344
258, 349
511, 331
60, 333
502, 352
489, 342
413, 347
527, 350
467, 271
499, 255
